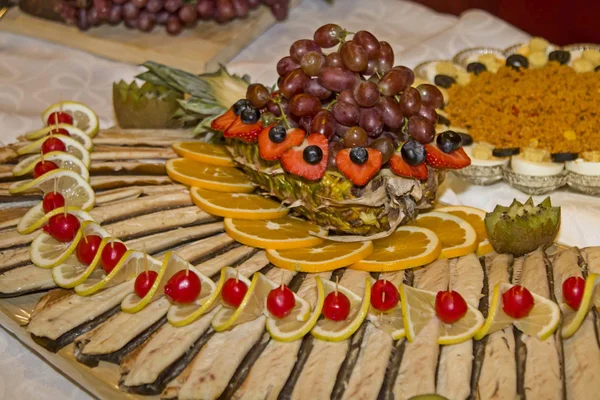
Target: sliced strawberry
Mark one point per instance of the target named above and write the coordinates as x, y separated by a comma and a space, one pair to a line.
454, 160
224, 121
270, 150
293, 161
245, 132
359, 174
402, 168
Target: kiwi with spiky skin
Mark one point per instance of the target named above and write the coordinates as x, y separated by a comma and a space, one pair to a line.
522, 228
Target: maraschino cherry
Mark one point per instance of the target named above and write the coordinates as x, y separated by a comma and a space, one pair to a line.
183, 287
281, 301
572, 290
63, 227
59, 117
384, 295
233, 291
112, 254
450, 306
87, 248
53, 144
53, 200
336, 306
517, 302
42, 167
144, 282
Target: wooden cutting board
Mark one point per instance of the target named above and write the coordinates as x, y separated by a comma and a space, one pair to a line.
196, 50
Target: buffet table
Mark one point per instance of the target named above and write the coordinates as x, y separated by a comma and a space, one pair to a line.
34, 74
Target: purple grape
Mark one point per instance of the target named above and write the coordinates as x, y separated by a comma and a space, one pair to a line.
334, 148
130, 11
173, 5
82, 21
154, 6
174, 26
301, 47
366, 94
347, 96
116, 14
304, 104
293, 83
162, 17
385, 58
225, 11
139, 3
286, 65
429, 113
314, 88
146, 21
328, 35
338, 79
120, 2
334, 60
280, 10
421, 129
371, 121
102, 8
410, 102
254, 3
346, 113
354, 56
368, 42
187, 14
92, 17
130, 23
205, 9
393, 82
323, 123
390, 112
241, 8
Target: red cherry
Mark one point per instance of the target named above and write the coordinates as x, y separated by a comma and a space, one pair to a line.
233, 292
87, 248
384, 295
60, 131
58, 117
336, 306
183, 287
450, 306
281, 301
42, 167
53, 144
52, 201
572, 290
144, 282
111, 254
517, 302
63, 227
46, 228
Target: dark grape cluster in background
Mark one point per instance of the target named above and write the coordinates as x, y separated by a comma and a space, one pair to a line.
175, 15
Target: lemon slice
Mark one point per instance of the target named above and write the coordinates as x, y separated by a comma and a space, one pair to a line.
83, 116
73, 272
457, 236
418, 308
60, 158
47, 252
74, 132
131, 263
206, 153
391, 322
323, 257
475, 217
237, 205
33, 219
249, 309
572, 319
541, 322
301, 310
219, 179
290, 329
281, 233
408, 247
72, 147
336, 331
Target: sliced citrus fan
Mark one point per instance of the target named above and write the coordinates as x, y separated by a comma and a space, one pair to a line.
475, 217
83, 116
185, 314
74, 132
73, 272
219, 179
418, 309
408, 247
336, 331
237, 205
457, 236
249, 309
60, 158
206, 153
131, 263
72, 147
541, 322
572, 319
326, 256
289, 329
281, 233
47, 252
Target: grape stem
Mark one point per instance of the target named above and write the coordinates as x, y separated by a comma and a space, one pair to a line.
277, 101
328, 106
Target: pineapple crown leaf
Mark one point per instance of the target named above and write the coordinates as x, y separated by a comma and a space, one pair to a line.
177, 79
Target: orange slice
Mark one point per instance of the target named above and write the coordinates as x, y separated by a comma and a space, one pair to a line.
408, 247
220, 179
207, 153
475, 217
323, 257
457, 236
237, 205
281, 233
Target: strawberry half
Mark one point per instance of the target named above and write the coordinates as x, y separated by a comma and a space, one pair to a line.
224, 121
359, 174
245, 132
293, 161
456, 159
269, 150
402, 168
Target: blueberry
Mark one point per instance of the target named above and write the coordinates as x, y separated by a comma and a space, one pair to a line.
467, 139
444, 81
449, 141
240, 106
250, 115
476, 68
312, 154
443, 120
413, 152
359, 155
560, 56
517, 61
277, 134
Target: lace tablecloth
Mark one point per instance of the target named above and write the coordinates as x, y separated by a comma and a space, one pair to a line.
34, 74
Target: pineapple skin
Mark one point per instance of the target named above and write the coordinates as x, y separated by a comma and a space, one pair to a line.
331, 202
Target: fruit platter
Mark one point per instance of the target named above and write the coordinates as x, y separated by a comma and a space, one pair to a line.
235, 241
526, 109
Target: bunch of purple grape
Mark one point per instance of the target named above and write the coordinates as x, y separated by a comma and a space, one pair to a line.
175, 15
353, 95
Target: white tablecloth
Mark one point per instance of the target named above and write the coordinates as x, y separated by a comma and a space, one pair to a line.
34, 74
